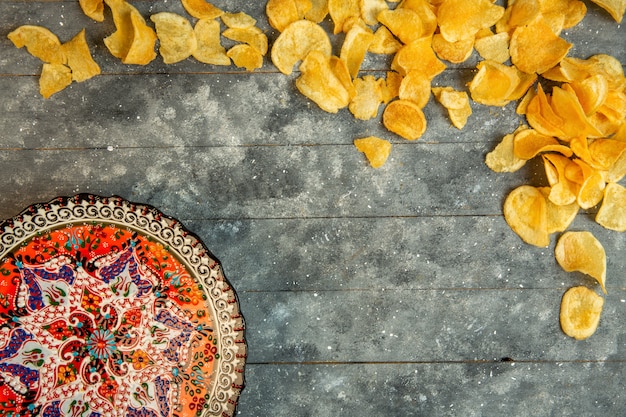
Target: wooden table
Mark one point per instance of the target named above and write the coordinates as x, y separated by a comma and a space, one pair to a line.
391, 292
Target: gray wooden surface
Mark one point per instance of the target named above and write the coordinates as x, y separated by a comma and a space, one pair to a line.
391, 292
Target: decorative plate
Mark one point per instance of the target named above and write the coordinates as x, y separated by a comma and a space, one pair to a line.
109, 308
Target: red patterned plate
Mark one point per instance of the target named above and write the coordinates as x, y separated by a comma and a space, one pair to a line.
109, 308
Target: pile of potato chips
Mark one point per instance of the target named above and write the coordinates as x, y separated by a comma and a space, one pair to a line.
134, 41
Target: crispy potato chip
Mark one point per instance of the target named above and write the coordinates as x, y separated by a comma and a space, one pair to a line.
54, 78
415, 87
391, 86
405, 119
318, 11
238, 20
425, 10
612, 212
245, 56
580, 312
523, 12
574, 123
534, 48
318, 82
281, 13
176, 36
542, 118
457, 103
462, 19
370, 10
418, 55
529, 143
591, 92
253, 36
93, 9
354, 48
525, 211
455, 52
502, 158
120, 41
610, 155
522, 106
405, 24
563, 189
592, 187
340, 70
201, 9
39, 42
614, 7
494, 83
559, 217
141, 50
209, 48
376, 150
295, 43
582, 252
341, 12
368, 98
384, 42
494, 47
79, 58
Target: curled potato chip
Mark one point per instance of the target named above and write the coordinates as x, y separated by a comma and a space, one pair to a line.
612, 212
418, 55
591, 92
494, 47
384, 42
405, 24
580, 312
318, 11
559, 217
614, 7
368, 98
253, 36
295, 43
502, 158
141, 50
370, 10
245, 56
563, 189
405, 119
582, 252
391, 86
54, 78
343, 11
457, 103
39, 42
238, 20
415, 87
354, 47
494, 83
525, 211
318, 82
120, 41
281, 13
535, 48
426, 11
541, 116
376, 150
529, 143
455, 52
176, 36
201, 9
572, 119
93, 9
79, 58
209, 49
462, 19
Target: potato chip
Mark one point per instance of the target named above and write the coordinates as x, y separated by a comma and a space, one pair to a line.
425, 11
592, 188
245, 56
54, 78
405, 119
580, 312
370, 10
384, 42
120, 41
238, 20
281, 13
614, 7
529, 143
525, 211
253, 36
494, 83
462, 19
368, 98
522, 12
39, 42
177, 40
79, 58
455, 52
610, 155
141, 50
341, 12
494, 47
502, 158
591, 92
318, 11
340, 70
582, 252
295, 43
391, 86
418, 55
559, 217
542, 118
534, 48
93, 9
457, 103
354, 48
522, 106
201, 9
612, 212
574, 123
405, 24
209, 48
376, 150
318, 82
563, 189
614, 106
415, 87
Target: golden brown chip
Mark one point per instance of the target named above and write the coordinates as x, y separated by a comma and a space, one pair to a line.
281, 13
494, 84
405, 119
318, 82
376, 150
494, 47
384, 42
343, 11
563, 189
141, 50
354, 48
340, 70
426, 11
580, 312
201, 9
573, 120
370, 10
415, 87
39, 42
120, 41
295, 43
239, 20
582, 252
318, 11
455, 52
209, 48
462, 19
502, 158
418, 55
93, 9
529, 143
79, 58
592, 92
177, 40
368, 98
391, 86
559, 217
457, 103
405, 24
54, 78
614, 7
525, 211
245, 56
535, 48
612, 212
542, 118
253, 36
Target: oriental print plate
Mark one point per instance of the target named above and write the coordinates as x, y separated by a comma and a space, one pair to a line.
109, 308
